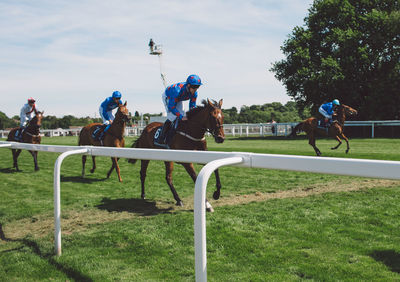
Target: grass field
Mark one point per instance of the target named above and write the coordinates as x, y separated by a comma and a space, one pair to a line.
267, 225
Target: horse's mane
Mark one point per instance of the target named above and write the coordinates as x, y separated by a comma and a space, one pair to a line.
196, 110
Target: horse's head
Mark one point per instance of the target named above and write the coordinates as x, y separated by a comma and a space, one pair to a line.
216, 120
209, 118
36, 121
349, 111
123, 113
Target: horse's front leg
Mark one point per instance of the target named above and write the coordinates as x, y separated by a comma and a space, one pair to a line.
340, 143
34, 155
190, 169
169, 167
114, 165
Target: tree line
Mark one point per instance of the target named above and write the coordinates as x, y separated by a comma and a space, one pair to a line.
349, 50
247, 114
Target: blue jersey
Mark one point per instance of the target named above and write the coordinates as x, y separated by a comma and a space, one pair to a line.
328, 107
108, 105
178, 92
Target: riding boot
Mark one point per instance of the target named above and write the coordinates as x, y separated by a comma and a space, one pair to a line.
171, 132
18, 134
103, 132
161, 138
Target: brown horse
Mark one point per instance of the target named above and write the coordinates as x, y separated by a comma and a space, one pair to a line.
189, 136
309, 126
114, 137
31, 134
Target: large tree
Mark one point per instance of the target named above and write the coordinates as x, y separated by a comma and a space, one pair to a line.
347, 49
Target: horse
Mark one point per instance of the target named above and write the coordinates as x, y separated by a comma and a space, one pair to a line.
31, 134
189, 136
114, 137
335, 130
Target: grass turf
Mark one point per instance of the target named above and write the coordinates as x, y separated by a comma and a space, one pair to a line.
110, 234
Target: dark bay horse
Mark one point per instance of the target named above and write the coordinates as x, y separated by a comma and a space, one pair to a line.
114, 137
31, 134
309, 126
189, 136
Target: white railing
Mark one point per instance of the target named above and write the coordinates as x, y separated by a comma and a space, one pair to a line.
240, 129
213, 160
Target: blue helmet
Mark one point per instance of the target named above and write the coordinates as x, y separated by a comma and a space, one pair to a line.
336, 102
116, 94
193, 79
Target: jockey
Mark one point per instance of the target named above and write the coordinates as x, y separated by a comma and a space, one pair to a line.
25, 117
327, 110
105, 110
173, 97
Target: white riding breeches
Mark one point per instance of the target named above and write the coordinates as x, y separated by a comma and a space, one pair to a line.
324, 113
109, 113
179, 106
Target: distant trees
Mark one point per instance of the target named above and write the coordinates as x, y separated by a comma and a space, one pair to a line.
350, 50
265, 113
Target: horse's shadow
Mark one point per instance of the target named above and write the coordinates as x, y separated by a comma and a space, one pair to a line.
9, 170
390, 258
79, 179
138, 206
72, 273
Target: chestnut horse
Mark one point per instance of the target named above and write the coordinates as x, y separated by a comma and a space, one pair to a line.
189, 136
114, 137
309, 126
31, 134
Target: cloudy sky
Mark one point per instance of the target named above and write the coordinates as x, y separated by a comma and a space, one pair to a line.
70, 55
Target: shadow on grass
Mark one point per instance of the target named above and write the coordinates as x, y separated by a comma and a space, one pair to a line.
79, 179
390, 258
138, 206
9, 170
70, 272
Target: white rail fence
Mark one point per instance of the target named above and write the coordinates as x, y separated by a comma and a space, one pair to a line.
213, 160
243, 129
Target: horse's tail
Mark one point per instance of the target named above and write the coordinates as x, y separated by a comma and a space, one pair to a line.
297, 128
81, 137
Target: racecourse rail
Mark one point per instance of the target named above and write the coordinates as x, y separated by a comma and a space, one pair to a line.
240, 129
212, 161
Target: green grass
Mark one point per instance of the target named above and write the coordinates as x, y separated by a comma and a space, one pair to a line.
110, 234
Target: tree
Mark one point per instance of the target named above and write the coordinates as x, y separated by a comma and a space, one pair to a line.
350, 50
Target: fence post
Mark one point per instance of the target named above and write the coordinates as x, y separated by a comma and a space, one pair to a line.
57, 208
200, 214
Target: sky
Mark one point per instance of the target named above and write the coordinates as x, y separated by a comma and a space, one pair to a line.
71, 55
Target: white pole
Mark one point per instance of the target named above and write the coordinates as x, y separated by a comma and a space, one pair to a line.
200, 254
163, 76
57, 204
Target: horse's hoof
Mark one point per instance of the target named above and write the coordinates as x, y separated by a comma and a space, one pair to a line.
143, 196
347, 151
216, 195
92, 170
36, 168
179, 203
209, 207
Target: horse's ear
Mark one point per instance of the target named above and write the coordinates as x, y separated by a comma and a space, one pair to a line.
220, 103
126, 102
42, 112
210, 103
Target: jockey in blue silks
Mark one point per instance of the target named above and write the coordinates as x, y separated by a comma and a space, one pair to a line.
327, 110
106, 114
172, 99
